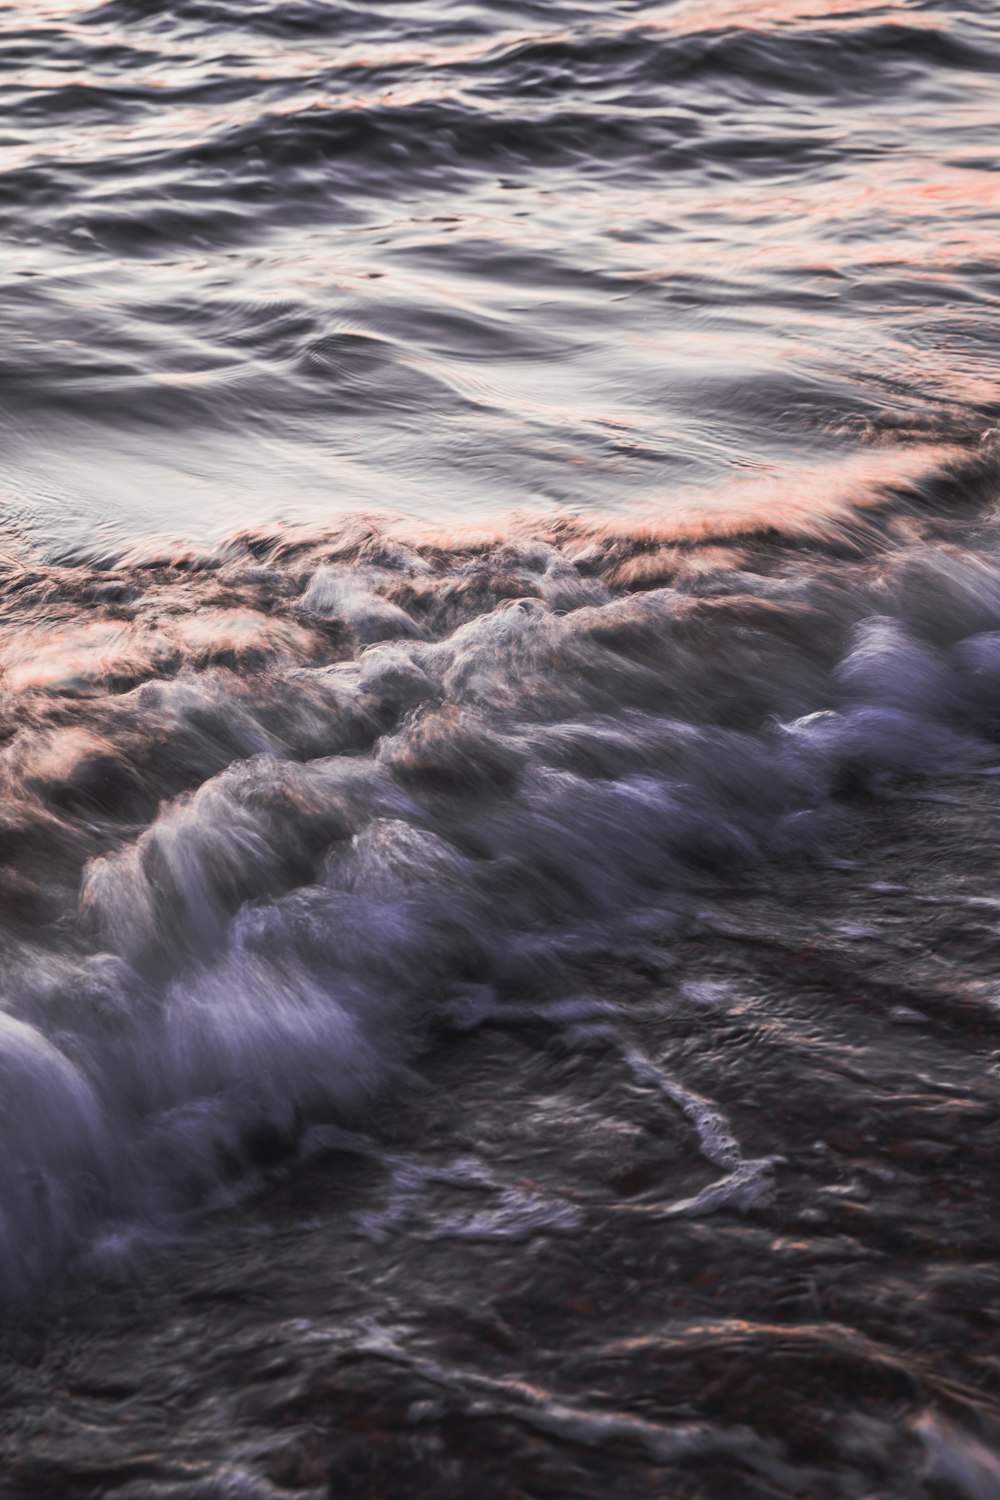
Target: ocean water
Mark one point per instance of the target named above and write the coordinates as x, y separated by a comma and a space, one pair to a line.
499, 718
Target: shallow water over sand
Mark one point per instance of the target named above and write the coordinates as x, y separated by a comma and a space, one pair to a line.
500, 640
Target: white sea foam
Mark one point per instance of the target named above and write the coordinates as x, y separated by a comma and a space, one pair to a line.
747, 1183
242, 897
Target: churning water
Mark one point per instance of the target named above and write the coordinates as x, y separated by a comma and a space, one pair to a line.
500, 635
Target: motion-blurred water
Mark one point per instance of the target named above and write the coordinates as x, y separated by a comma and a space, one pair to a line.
500, 541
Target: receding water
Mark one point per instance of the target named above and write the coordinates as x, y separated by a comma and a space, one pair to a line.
500, 633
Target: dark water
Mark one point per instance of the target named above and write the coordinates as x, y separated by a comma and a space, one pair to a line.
500, 631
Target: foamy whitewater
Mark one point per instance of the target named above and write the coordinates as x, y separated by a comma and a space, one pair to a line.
499, 728
280, 813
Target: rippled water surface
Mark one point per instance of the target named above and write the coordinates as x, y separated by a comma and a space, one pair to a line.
447, 260
500, 648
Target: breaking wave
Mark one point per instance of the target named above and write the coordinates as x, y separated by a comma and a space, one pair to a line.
279, 814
